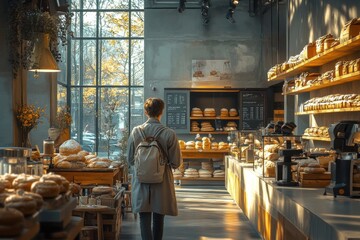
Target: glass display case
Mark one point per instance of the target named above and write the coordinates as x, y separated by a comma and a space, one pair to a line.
243, 145
267, 155
14, 159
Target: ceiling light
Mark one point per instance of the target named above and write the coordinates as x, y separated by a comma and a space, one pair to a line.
43, 59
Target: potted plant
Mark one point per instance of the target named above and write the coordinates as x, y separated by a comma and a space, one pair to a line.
27, 21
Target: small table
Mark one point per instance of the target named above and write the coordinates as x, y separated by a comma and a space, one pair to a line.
98, 210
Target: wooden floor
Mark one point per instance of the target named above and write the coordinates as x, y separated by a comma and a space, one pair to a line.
205, 213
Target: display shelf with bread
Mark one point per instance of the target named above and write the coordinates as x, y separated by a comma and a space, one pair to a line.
354, 76
325, 139
336, 110
341, 50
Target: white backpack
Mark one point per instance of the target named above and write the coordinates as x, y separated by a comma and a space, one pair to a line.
150, 158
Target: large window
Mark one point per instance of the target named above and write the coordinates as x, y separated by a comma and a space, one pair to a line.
106, 72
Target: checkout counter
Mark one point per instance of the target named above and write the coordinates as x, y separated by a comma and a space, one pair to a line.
290, 212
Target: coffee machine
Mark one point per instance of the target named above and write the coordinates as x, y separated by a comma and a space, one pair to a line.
283, 172
345, 139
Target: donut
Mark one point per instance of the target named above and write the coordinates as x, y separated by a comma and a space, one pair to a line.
24, 181
69, 147
11, 222
46, 188
24, 204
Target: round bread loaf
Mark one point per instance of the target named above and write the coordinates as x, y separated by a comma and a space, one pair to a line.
69, 147
24, 181
99, 164
60, 180
314, 170
3, 196
37, 197
100, 190
24, 204
75, 188
11, 222
46, 188
233, 112
314, 165
63, 164
5, 183
10, 177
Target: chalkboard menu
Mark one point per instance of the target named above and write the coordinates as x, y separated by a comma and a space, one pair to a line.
177, 116
252, 110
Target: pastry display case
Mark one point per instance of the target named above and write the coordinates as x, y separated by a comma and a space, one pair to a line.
267, 155
243, 144
14, 159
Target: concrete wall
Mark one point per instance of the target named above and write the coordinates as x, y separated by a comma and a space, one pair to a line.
6, 113
173, 40
36, 91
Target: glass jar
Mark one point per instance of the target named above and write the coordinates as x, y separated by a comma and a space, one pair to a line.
48, 146
13, 159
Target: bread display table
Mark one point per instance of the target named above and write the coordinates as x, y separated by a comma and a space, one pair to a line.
195, 155
91, 176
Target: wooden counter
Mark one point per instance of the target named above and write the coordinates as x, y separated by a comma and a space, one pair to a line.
91, 176
291, 212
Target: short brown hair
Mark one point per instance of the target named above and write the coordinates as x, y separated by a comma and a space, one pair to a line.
154, 107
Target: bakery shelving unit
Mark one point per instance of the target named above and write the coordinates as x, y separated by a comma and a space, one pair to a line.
355, 76
335, 110
347, 83
320, 59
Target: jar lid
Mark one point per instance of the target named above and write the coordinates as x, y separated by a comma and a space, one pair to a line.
15, 152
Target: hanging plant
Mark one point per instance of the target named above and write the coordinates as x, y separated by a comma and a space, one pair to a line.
27, 20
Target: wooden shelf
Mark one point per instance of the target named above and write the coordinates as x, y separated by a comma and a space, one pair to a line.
215, 132
325, 139
329, 55
329, 111
336, 81
200, 178
215, 118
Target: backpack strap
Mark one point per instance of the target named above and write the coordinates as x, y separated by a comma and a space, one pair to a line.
141, 133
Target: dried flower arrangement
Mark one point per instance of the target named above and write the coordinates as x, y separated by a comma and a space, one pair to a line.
28, 117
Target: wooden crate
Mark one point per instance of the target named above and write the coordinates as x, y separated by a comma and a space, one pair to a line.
314, 180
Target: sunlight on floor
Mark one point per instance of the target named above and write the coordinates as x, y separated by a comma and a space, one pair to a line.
206, 238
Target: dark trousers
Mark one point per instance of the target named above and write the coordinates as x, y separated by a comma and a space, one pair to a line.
145, 225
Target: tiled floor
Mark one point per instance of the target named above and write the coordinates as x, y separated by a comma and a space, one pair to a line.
205, 213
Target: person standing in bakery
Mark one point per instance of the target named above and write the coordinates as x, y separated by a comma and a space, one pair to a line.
154, 201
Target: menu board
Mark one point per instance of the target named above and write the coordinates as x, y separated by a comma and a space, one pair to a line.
252, 110
177, 117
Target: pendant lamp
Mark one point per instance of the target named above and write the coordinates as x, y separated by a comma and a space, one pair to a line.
43, 59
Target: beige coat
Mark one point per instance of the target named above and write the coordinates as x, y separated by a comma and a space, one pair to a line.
158, 197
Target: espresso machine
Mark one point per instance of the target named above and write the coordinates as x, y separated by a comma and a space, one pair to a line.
345, 139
